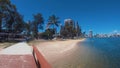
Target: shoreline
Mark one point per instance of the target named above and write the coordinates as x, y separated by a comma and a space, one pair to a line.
4, 45
54, 51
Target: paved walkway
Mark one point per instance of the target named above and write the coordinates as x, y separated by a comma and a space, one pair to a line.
17, 56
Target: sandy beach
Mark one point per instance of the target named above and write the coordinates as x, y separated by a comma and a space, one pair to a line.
58, 50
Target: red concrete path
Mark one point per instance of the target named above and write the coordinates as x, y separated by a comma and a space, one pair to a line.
17, 61
17, 56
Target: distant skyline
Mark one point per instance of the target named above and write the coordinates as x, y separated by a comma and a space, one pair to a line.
100, 16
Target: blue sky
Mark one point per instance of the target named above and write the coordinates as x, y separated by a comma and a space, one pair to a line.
101, 16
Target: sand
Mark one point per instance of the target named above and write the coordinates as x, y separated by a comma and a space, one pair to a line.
57, 50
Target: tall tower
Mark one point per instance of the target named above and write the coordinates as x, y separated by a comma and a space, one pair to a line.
68, 22
90, 33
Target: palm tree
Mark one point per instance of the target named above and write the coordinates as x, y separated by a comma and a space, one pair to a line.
27, 26
13, 21
53, 21
4, 8
37, 24
10, 15
18, 25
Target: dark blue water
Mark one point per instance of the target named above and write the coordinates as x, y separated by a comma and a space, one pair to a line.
99, 53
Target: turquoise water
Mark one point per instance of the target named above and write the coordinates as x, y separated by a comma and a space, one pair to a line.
100, 53
92, 53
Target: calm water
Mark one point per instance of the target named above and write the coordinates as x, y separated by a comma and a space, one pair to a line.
93, 53
101, 53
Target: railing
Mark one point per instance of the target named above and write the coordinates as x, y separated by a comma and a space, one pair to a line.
39, 59
4, 36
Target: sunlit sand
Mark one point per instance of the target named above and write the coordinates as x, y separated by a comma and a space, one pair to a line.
54, 51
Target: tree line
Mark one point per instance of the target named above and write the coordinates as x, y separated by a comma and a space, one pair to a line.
12, 21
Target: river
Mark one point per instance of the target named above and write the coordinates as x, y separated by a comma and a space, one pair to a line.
93, 53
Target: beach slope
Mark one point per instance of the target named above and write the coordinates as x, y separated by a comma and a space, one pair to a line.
58, 50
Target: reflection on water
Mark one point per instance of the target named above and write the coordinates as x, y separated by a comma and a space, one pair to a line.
106, 53
93, 53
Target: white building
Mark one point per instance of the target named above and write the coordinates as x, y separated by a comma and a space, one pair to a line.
90, 33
